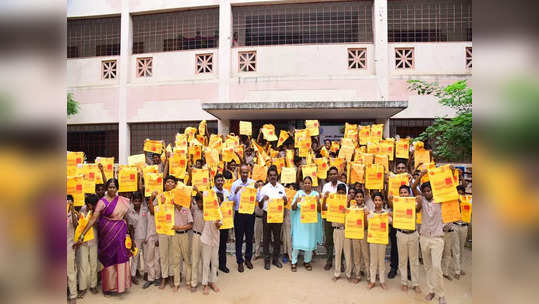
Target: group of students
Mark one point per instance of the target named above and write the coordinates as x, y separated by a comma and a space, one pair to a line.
199, 242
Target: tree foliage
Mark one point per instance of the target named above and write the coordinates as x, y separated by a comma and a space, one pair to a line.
72, 105
450, 139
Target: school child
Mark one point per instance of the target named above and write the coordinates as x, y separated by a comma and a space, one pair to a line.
259, 218
378, 251
196, 247
137, 219
210, 252
87, 253
151, 251
72, 221
360, 248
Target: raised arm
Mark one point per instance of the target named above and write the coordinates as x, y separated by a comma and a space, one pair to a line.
100, 166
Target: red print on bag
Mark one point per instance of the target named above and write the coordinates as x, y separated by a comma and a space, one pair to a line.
79, 187
312, 206
153, 148
182, 162
109, 167
403, 183
448, 181
383, 226
379, 175
159, 180
168, 217
341, 208
359, 222
78, 160
251, 198
205, 180
280, 208
132, 176
91, 175
409, 212
467, 207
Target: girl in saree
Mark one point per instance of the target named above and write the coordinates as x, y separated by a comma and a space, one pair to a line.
305, 236
110, 213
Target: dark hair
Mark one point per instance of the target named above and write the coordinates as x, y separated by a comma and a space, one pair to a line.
112, 180
333, 168
360, 191
220, 196
137, 195
172, 177
308, 177
274, 169
198, 197
424, 185
218, 175
227, 174
156, 154
327, 139
341, 187
461, 188
401, 161
91, 199
404, 187
70, 197
99, 185
377, 193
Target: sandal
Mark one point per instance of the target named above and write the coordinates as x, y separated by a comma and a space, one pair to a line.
308, 266
294, 267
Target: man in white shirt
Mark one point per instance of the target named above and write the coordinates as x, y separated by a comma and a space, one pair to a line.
272, 190
330, 187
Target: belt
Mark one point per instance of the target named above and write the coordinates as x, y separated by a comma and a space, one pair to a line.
340, 228
197, 232
461, 224
259, 216
182, 232
406, 231
451, 230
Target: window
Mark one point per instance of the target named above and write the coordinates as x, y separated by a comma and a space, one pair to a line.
408, 127
429, 21
404, 58
92, 37
335, 22
204, 63
94, 140
182, 30
161, 131
144, 67
357, 58
469, 57
247, 61
109, 69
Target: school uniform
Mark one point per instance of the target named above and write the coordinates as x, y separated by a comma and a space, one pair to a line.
271, 229
70, 265
451, 250
151, 251
86, 258
431, 238
140, 223
378, 254
259, 220
210, 252
360, 253
328, 227
287, 233
408, 248
196, 246
462, 233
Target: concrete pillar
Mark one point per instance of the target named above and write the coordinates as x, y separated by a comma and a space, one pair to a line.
224, 59
223, 126
126, 42
381, 53
384, 121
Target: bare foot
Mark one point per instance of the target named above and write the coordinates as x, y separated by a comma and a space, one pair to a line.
93, 290
404, 288
163, 283
81, 294
383, 285
335, 279
417, 290
462, 273
371, 285
205, 290
171, 282
72, 301
214, 287
193, 289
448, 277
457, 276
356, 280
429, 296
176, 288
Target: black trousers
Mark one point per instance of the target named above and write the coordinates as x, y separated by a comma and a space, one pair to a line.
270, 229
222, 247
244, 226
394, 258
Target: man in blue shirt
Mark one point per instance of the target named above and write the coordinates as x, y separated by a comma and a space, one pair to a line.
244, 224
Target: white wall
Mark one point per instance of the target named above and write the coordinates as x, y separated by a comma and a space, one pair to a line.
83, 72
425, 107
153, 5
85, 8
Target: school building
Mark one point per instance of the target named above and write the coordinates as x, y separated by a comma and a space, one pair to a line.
148, 69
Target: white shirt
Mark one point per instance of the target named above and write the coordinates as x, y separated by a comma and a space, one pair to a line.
272, 192
328, 187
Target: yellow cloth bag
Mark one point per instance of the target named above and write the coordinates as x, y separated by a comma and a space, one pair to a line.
211, 206
421, 156
376, 132
153, 146
322, 167
382, 160
247, 200
402, 148
153, 182
74, 187
89, 173
290, 194
300, 135
377, 232
288, 175
395, 182
177, 165
290, 158
374, 177
387, 148
308, 211
268, 130
73, 160
442, 184
451, 211
357, 173
354, 227
182, 195
83, 222
310, 170
260, 173
228, 215
180, 140
336, 205
368, 158
466, 208
127, 179
283, 136
108, 167
137, 160
246, 128
164, 219
312, 126
337, 163
275, 210
201, 179
279, 163
364, 134
404, 213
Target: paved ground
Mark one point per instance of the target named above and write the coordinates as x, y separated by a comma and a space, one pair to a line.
281, 285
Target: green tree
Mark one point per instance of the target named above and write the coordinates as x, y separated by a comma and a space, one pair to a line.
450, 139
72, 105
